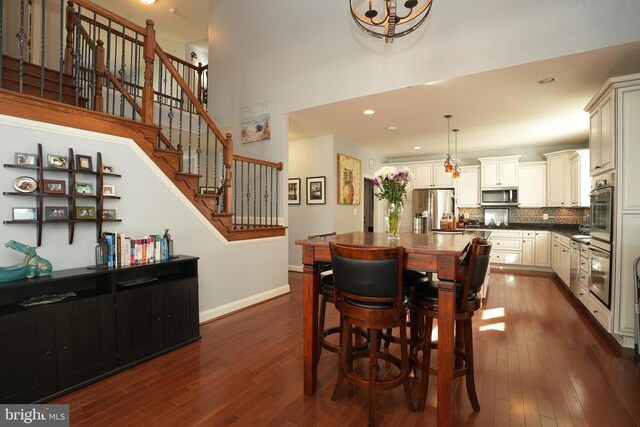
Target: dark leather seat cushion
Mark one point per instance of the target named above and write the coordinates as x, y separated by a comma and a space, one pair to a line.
429, 293
412, 278
374, 305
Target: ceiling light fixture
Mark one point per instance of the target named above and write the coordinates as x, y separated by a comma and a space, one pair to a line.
456, 161
392, 128
393, 21
417, 147
148, 1
448, 163
547, 80
368, 112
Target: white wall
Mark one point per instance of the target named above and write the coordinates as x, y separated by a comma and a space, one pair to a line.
230, 275
302, 54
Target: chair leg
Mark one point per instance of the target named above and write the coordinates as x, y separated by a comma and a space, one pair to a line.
344, 356
423, 384
459, 344
323, 309
387, 340
373, 372
468, 355
405, 365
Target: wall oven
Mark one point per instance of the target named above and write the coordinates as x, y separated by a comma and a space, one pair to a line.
600, 273
601, 199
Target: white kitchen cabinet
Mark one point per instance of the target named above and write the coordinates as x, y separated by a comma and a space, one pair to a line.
499, 171
406, 221
563, 180
432, 175
469, 187
532, 177
601, 135
542, 249
561, 257
599, 311
506, 246
528, 251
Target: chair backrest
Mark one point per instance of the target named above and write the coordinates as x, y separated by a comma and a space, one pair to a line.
371, 276
474, 266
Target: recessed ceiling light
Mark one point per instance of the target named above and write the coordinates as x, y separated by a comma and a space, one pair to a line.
368, 112
392, 128
417, 147
148, 1
548, 80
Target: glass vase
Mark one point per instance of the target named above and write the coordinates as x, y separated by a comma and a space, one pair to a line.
394, 216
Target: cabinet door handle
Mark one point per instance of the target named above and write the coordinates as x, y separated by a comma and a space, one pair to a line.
158, 318
595, 311
65, 348
47, 352
598, 167
168, 316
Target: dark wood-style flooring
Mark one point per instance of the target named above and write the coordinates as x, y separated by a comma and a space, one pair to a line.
539, 362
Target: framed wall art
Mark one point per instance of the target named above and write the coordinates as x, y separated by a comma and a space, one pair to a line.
316, 190
108, 190
54, 186
57, 161
24, 214
348, 180
84, 188
256, 122
85, 212
84, 163
293, 191
27, 159
109, 214
53, 213
25, 184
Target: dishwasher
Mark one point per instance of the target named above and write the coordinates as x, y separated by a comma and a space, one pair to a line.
574, 268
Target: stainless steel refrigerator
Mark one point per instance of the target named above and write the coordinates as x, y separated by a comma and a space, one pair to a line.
429, 206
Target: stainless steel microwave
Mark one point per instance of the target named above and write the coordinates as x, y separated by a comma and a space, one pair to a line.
500, 197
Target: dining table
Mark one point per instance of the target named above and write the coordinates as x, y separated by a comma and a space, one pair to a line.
436, 253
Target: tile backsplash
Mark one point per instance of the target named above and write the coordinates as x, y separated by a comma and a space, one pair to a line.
535, 215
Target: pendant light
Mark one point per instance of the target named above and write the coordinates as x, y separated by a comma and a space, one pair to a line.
448, 163
456, 161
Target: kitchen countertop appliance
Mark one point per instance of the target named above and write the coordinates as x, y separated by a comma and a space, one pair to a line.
429, 205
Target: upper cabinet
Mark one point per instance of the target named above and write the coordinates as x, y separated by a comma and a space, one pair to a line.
469, 187
601, 137
499, 171
567, 178
432, 175
532, 178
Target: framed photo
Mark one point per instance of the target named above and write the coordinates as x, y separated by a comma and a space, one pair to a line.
84, 163
26, 159
256, 122
24, 214
108, 190
84, 188
316, 190
25, 184
208, 190
348, 180
57, 161
85, 212
52, 213
293, 191
109, 214
54, 186
108, 169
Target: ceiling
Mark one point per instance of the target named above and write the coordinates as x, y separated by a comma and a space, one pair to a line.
497, 110
189, 23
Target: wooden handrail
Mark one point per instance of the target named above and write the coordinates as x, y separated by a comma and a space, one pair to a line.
278, 165
110, 15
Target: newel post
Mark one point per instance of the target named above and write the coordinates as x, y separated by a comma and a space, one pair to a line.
147, 91
68, 50
98, 102
228, 159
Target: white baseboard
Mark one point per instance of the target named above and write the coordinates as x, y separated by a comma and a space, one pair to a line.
232, 307
296, 268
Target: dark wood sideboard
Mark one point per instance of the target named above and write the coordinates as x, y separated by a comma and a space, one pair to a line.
118, 318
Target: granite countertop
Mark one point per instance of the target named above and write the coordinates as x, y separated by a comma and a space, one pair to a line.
569, 230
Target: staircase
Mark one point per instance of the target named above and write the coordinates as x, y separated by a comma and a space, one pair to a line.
121, 90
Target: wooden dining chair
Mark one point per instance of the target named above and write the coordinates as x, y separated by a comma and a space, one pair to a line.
471, 274
369, 295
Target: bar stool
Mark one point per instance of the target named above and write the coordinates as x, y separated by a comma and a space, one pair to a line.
472, 270
368, 295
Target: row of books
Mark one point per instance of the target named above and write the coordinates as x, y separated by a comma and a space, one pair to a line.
121, 250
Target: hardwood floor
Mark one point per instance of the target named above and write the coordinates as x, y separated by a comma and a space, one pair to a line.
539, 362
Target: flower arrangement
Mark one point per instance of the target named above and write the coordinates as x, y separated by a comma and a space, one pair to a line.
392, 185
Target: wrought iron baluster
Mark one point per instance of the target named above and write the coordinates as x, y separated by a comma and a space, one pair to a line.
61, 53
271, 199
171, 114
136, 78
199, 149
277, 193
206, 160
42, 45
107, 64
114, 73
255, 180
1, 38
121, 72
21, 39
190, 132
160, 94
129, 81
77, 54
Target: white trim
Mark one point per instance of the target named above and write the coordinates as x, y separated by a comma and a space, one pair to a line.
226, 309
81, 133
296, 268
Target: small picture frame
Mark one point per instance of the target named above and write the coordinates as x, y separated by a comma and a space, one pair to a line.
208, 190
85, 212
56, 213
84, 163
54, 186
316, 190
293, 191
108, 190
84, 188
57, 161
25, 184
24, 214
109, 214
108, 169
26, 159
